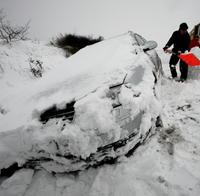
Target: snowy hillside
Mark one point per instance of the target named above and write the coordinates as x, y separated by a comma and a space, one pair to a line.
15, 60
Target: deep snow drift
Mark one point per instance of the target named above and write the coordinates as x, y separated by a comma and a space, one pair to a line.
168, 164
89, 72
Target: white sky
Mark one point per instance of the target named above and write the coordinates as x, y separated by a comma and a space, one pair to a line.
153, 19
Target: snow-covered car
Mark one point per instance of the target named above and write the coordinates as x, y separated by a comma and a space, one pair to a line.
101, 104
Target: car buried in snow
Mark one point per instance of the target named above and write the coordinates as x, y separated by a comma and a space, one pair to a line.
106, 107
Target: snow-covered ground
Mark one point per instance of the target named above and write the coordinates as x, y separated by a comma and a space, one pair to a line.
167, 164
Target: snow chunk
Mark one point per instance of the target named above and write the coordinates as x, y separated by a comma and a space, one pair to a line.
43, 184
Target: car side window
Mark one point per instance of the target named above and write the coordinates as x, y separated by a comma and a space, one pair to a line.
140, 40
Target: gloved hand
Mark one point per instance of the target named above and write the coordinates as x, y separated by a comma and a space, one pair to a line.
165, 48
178, 52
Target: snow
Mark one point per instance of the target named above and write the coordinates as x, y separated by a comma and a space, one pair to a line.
167, 164
70, 79
89, 72
17, 184
19, 53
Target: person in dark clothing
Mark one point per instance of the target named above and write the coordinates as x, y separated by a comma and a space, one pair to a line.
180, 40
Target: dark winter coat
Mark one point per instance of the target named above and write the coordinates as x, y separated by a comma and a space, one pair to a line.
180, 41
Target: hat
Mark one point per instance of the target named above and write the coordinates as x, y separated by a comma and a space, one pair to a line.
183, 26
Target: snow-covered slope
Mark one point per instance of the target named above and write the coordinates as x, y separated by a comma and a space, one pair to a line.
15, 69
15, 61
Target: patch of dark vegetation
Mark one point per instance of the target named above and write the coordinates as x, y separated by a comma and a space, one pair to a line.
72, 43
36, 67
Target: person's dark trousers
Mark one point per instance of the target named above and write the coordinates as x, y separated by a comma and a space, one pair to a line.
172, 64
183, 70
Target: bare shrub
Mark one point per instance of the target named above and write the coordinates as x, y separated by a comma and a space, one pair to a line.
36, 67
9, 33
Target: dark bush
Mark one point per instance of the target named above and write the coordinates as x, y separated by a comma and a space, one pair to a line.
72, 43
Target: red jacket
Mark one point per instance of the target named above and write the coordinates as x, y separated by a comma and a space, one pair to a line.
194, 42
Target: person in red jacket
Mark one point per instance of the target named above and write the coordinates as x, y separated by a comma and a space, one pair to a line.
180, 40
194, 42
